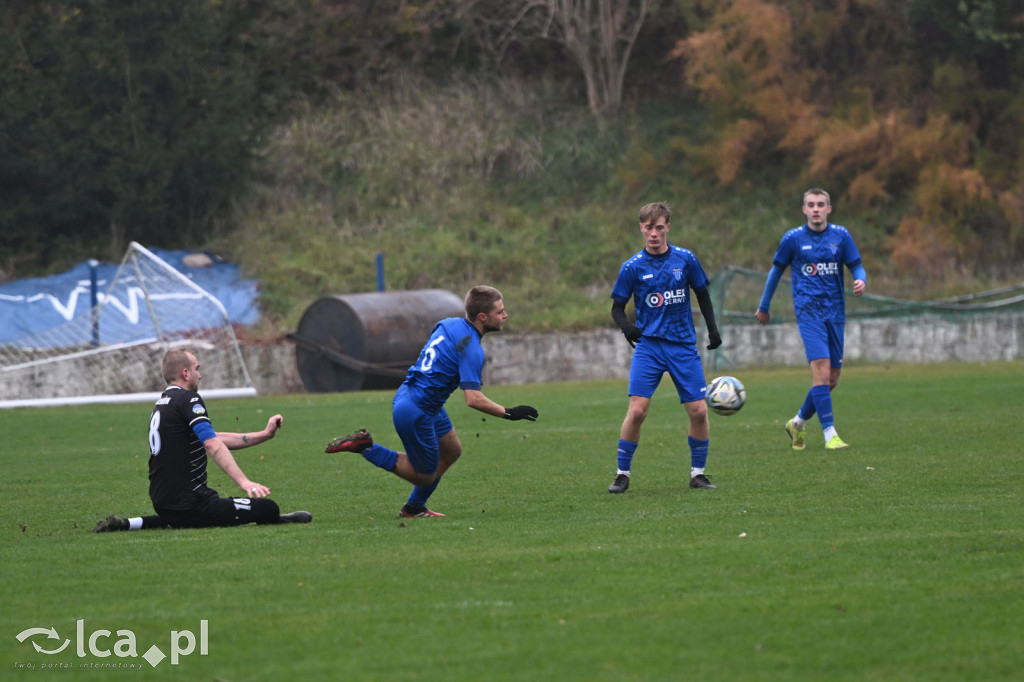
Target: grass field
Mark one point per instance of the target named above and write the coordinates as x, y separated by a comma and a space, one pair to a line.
901, 558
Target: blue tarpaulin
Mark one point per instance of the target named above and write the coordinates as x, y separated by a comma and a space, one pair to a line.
32, 307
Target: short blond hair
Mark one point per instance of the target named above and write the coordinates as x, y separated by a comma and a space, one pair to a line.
174, 361
815, 190
655, 210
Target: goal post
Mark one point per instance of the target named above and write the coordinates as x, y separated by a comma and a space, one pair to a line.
110, 350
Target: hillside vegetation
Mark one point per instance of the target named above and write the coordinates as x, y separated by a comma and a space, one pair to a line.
510, 141
503, 182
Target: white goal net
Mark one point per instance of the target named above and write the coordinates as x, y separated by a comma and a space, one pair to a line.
113, 353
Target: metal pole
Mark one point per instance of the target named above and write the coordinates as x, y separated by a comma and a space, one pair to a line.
94, 303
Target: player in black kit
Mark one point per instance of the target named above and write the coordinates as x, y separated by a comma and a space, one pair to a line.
180, 439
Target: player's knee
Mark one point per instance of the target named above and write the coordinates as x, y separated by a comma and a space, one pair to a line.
424, 479
636, 415
451, 453
265, 508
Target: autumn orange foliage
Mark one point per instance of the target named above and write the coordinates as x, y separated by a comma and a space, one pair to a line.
833, 95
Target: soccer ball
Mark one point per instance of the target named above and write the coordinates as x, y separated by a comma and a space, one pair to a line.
726, 395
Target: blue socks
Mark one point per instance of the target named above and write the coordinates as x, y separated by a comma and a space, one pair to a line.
807, 410
380, 456
822, 399
626, 451
698, 452
420, 494
386, 459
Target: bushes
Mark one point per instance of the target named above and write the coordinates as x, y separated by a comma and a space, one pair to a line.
132, 120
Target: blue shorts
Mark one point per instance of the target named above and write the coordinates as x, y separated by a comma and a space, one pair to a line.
420, 431
653, 357
823, 339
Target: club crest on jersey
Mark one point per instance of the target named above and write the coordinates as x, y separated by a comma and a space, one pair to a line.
677, 273
657, 299
198, 409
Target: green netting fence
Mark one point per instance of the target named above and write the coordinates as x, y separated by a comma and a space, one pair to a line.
736, 293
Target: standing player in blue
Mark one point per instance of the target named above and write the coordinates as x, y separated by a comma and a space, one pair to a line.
452, 358
658, 279
816, 253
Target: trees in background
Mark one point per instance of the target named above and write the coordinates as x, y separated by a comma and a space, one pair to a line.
915, 104
597, 35
140, 120
135, 120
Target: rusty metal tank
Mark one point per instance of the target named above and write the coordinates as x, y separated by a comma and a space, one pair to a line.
367, 341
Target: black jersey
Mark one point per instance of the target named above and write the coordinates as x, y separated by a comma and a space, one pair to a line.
177, 462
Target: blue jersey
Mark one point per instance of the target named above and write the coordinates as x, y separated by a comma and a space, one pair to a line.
452, 358
659, 285
816, 260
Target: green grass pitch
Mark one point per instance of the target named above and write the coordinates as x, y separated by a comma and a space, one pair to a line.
901, 558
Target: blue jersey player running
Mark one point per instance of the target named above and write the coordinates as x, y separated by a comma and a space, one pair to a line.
452, 358
659, 279
816, 253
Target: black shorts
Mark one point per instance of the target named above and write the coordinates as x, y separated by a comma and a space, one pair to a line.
223, 511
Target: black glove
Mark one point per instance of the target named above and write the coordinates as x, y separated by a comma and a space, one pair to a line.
521, 412
715, 339
632, 334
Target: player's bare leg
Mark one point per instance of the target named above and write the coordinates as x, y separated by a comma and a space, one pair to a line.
629, 437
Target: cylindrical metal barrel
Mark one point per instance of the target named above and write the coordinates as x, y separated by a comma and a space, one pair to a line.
367, 341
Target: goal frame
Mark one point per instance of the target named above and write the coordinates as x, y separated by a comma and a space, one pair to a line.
157, 345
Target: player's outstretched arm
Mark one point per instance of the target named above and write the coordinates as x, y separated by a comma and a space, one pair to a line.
521, 412
478, 401
237, 441
220, 454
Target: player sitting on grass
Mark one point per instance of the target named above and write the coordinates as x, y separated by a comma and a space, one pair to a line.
180, 439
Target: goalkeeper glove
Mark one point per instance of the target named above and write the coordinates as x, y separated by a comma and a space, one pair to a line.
632, 334
715, 339
521, 412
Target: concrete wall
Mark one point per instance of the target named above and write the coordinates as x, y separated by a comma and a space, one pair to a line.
916, 340
604, 354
